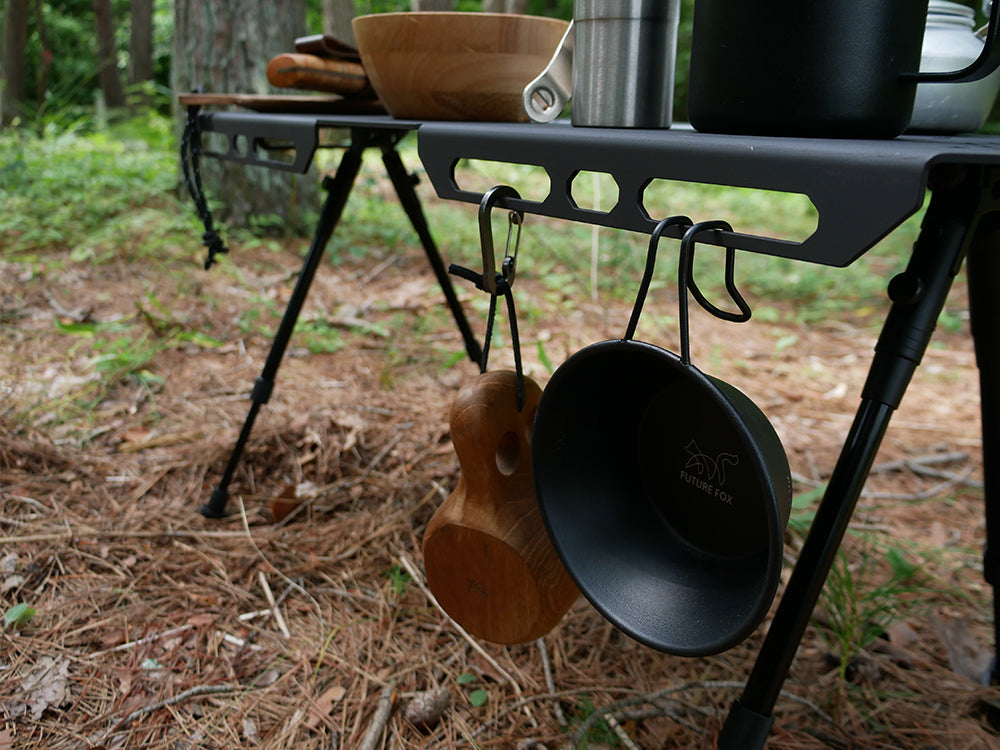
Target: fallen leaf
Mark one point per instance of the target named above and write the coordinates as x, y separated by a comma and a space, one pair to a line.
939, 535
966, 655
11, 582
126, 678
45, 686
249, 731
901, 634
409, 294
112, 637
291, 497
168, 645
8, 564
284, 503
6, 739
201, 620
324, 704
354, 424
135, 435
268, 678
487, 669
838, 391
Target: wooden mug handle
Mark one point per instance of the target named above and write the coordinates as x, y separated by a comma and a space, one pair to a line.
488, 557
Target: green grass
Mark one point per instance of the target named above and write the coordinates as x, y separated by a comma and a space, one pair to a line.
105, 192
865, 594
89, 189
95, 194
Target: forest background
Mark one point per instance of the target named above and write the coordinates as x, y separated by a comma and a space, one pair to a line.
73, 65
63, 58
124, 371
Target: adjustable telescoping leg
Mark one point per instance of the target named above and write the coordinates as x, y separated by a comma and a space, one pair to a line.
918, 295
338, 188
983, 272
403, 184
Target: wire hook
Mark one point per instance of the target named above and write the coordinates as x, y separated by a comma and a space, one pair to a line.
508, 266
686, 282
647, 274
686, 272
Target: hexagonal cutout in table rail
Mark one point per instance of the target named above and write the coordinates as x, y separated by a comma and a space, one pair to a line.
594, 191
478, 176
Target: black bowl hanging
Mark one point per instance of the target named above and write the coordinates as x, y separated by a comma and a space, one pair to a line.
665, 491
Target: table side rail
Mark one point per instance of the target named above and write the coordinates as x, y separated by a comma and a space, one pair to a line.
282, 141
862, 190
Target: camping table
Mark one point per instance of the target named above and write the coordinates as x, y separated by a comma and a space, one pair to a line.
269, 141
862, 190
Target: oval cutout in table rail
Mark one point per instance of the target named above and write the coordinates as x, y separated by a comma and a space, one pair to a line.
766, 210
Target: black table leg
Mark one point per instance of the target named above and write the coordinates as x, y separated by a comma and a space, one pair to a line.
403, 183
338, 189
918, 296
984, 314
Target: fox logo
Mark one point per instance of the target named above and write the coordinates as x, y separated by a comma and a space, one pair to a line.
706, 466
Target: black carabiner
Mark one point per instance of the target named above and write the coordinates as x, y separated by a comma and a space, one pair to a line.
490, 272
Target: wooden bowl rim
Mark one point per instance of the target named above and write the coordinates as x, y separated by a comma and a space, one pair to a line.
432, 14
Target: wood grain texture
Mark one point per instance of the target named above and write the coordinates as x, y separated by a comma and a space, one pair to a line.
487, 554
284, 103
300, 71
455, 66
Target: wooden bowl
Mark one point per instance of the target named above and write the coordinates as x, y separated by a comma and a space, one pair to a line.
455, 66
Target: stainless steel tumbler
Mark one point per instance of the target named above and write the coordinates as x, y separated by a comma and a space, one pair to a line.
623, 62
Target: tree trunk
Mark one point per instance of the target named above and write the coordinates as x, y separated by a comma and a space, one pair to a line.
505, 6
12, 62
337, 17
45, 63
432, 4
140, 42
107, 55
223, 46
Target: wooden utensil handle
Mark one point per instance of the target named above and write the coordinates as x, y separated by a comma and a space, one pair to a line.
324, 45
317, 74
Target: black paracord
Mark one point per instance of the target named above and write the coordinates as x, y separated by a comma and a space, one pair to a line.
192, 179
504, 288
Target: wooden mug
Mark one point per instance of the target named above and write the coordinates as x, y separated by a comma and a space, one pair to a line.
487, 554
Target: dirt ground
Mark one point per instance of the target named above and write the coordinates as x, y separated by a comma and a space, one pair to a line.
155, 627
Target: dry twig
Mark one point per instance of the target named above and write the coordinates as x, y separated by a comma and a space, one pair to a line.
618, 708
549, 682
286, 579
275, 610
418, 579
376, 730
174, 700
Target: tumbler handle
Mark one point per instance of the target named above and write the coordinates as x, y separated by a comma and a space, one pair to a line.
546, 96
